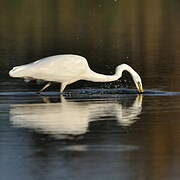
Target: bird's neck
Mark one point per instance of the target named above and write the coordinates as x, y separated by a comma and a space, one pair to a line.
125, 67
96, 77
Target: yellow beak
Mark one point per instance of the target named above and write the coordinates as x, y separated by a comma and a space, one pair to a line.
140, 87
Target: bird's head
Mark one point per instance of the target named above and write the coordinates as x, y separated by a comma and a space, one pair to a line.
134, 74
138, 82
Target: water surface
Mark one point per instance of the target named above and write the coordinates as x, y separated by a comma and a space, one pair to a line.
94, 130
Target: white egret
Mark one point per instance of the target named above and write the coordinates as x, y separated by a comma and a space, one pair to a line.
67, 69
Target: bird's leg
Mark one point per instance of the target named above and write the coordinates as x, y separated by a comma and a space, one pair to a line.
47, 85
63, 85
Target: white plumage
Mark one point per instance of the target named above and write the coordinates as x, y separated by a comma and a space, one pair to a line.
67, 69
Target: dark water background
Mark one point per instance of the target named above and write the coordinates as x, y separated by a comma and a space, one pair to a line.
97, 130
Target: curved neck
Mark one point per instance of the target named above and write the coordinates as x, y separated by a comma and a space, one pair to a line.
125, 67
96, 77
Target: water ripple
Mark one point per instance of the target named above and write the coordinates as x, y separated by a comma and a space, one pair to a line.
100, 148
95, 92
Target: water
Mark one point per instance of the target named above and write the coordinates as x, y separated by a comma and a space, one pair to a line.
95, 130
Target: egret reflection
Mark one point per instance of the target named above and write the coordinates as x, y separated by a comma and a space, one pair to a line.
71, 118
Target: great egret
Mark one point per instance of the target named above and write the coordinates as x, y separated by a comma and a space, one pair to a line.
67, 69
